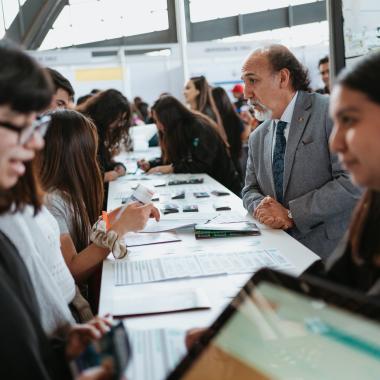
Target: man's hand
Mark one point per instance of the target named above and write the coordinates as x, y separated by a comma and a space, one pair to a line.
273, 214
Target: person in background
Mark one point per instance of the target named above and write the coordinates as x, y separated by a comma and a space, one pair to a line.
143, 108
238, 94
190, 144
199, 97
71, 177
111, 112
64, 92
82, 99
293, 182
233, 126
26, 351
324, 70
355, 110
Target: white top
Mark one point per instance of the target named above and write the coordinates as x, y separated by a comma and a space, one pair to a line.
37, 240
287, 117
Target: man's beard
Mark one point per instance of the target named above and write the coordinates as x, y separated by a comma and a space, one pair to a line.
264, 114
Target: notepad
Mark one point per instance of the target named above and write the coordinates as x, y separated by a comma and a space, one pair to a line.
160, 302
127, 272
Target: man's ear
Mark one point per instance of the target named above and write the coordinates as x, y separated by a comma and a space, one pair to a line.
284, 78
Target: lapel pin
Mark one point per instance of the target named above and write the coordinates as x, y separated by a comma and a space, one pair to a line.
300, 119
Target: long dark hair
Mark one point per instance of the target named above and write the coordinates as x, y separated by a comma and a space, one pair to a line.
205, 103
231, 120
27, 191
104, 108
364, 76
180, 124
68, 163
24, 87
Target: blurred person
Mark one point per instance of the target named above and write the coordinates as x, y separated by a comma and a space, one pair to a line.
355, 110
324, 70
64, 92
190, 144
293, 182
233, 125
111, 113
143, 108
27, 352
238, 94
198, 96
82, 99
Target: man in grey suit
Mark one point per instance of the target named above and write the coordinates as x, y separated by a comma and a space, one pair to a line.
293, 182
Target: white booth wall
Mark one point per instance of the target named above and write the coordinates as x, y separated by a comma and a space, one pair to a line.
148, 76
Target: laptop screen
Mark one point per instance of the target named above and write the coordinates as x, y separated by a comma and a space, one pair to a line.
277, 333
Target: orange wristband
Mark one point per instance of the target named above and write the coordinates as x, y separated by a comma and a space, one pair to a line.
106, 220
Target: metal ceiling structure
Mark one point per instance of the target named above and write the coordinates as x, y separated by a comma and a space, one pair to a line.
36, 17
33, 22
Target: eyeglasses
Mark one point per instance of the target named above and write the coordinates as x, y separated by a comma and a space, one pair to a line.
40, 125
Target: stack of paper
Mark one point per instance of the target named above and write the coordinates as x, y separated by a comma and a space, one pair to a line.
155, 352
128, 272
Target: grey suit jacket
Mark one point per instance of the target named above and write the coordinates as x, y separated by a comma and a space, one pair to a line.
317, 190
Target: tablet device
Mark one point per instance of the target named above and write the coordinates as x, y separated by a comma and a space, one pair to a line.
280, 327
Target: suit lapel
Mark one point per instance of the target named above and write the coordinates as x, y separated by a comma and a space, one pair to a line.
268, 142
301, 115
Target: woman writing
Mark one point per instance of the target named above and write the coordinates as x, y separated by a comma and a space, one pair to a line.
190, 144
71, 177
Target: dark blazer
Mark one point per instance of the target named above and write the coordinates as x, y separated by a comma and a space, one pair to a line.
317, 190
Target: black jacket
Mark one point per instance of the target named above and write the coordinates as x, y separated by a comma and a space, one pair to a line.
205, 153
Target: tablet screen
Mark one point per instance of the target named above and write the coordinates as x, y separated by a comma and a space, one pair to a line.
277, 333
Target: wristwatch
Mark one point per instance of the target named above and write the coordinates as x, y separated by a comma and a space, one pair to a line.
290, 216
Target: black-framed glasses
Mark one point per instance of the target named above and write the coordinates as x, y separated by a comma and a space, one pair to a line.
40, 125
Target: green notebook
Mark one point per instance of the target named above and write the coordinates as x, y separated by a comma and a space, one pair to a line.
211, 230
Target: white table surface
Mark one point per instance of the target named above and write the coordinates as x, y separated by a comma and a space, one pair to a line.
219, 289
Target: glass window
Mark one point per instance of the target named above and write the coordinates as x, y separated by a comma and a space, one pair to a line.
106, 19
9, 10
307, 34
226, 8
